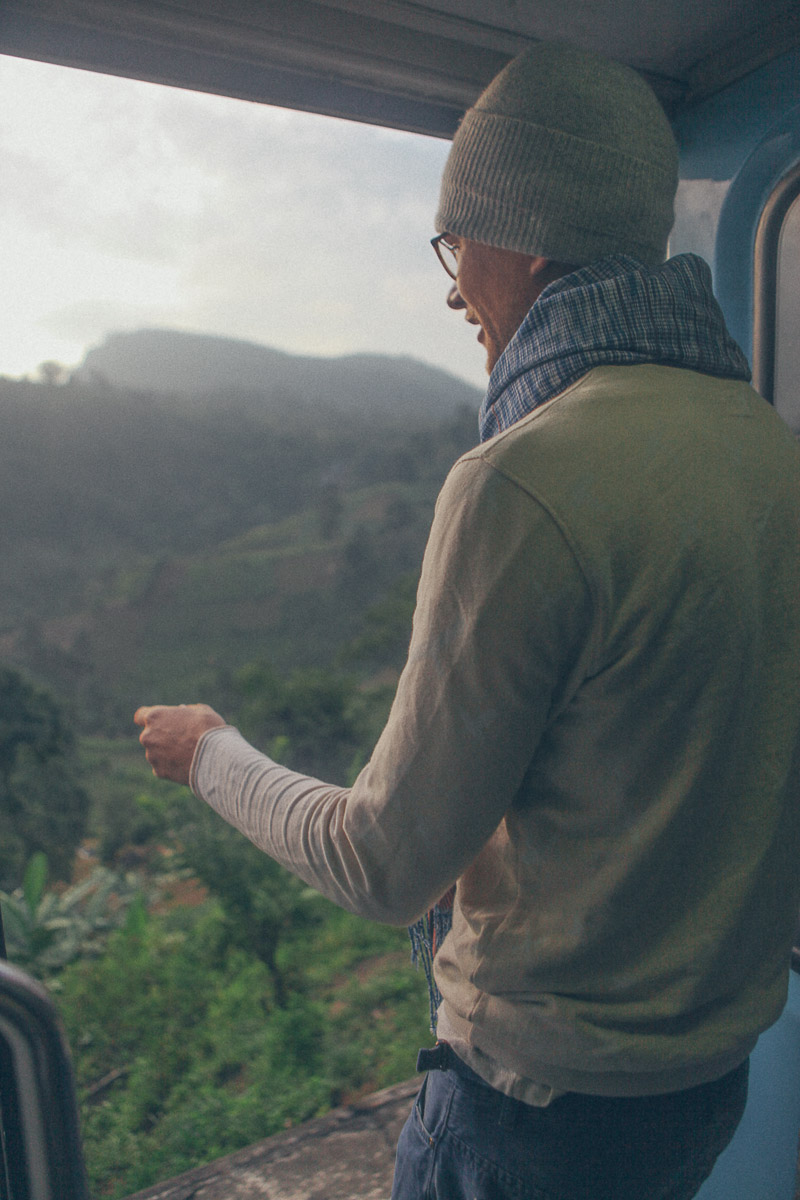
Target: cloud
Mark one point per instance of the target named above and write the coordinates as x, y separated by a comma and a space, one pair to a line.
128, 203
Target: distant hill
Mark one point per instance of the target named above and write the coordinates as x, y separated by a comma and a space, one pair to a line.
163, 537
164, 361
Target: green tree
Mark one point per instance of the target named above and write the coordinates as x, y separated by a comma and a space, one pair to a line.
262, 902
52, 374
331, 510
42, 805
45, 930
386, 633
307, 719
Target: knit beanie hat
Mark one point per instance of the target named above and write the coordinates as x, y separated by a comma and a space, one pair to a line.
566, 155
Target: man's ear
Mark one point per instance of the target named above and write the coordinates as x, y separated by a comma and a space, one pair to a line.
538, 267
547, 270
543, 272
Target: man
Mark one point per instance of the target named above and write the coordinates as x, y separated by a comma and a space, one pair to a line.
595, 736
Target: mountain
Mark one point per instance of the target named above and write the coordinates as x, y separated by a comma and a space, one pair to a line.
151, 537
169, 361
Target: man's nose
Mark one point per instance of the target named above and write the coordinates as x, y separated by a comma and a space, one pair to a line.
454, 299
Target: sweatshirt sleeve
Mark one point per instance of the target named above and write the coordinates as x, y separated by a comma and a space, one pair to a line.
502, 619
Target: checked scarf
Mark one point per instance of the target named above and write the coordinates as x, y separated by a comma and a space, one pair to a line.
614, 312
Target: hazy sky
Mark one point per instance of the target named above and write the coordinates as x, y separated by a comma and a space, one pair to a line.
126, 205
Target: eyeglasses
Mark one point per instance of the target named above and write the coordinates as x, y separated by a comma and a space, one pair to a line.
446, 254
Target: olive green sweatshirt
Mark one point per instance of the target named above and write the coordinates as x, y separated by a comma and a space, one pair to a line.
595, 734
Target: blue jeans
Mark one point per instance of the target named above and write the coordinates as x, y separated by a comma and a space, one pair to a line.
466, 1141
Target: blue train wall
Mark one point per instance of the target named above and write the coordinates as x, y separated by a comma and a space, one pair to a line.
735, 149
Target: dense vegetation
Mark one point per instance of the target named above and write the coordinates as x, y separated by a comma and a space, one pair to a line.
268, 566
43, 808
154, 544
202, 1018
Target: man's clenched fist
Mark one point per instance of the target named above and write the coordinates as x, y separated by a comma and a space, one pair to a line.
170, 735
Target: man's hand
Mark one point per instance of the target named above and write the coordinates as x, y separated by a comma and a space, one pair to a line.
170, 736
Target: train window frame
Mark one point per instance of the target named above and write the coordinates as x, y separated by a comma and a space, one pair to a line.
41, 1155
766, 257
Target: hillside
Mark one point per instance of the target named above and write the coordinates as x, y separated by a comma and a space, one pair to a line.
257, 550
154, 542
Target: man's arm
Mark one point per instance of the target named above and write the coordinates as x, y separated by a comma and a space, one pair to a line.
502, 617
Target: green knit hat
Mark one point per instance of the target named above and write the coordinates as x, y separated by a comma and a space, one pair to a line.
565, 155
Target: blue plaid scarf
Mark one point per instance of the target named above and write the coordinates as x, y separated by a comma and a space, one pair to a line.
613, 312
